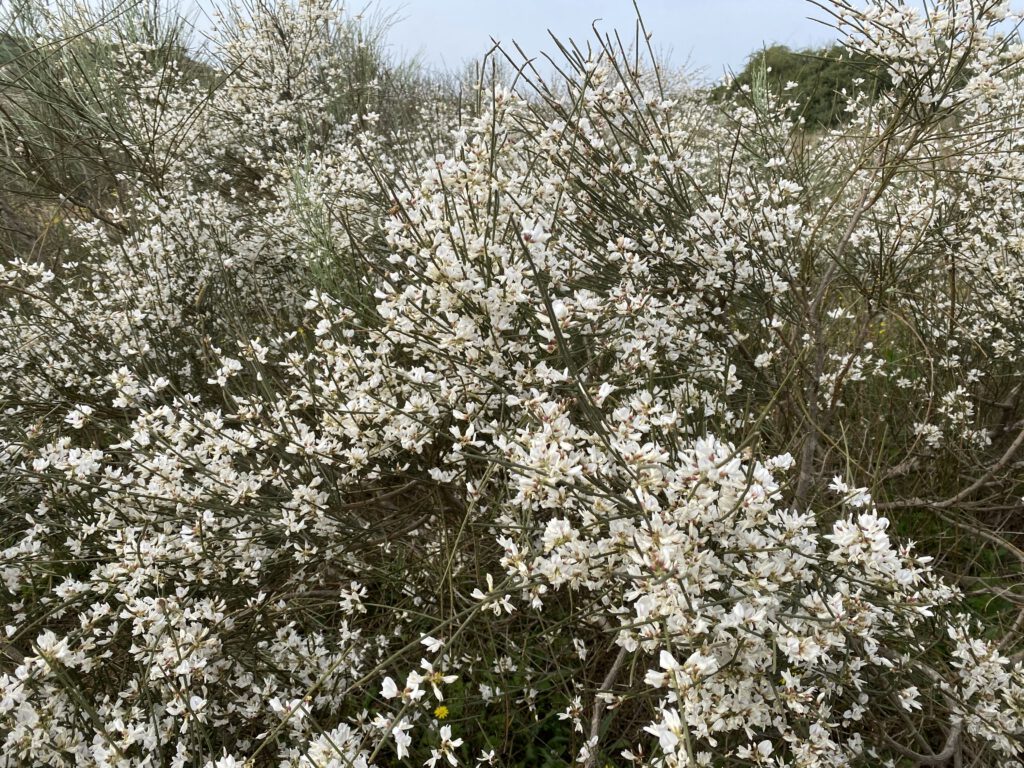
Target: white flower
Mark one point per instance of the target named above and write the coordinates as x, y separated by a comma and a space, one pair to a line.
227, 761
389, 689
400, 733
667, 730
78, 415
909, 698
432, 643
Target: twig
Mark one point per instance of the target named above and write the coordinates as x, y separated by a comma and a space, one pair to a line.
599, 704
1005, 459
943, 757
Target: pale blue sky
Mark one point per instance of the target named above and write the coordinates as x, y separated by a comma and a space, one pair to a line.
708, 36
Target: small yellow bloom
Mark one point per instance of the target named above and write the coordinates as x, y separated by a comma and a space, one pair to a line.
441, 712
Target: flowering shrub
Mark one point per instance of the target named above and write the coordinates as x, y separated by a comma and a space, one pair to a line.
549, 421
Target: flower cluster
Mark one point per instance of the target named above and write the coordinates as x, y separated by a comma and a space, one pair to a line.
546, 412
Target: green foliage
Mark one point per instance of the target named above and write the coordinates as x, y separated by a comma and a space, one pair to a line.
821, 77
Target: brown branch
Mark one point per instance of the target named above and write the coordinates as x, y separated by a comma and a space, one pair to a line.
1005, 459
599, 704
943, 757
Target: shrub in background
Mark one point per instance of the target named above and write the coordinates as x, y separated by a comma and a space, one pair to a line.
820, 80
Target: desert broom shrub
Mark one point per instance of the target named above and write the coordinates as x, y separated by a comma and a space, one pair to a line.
554, 421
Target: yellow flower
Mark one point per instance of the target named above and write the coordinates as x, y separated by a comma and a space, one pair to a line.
441, 712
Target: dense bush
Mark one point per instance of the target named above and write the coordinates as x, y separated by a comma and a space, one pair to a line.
360, 420
819, 80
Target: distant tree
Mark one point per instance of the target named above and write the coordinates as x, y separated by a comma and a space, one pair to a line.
821, 75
